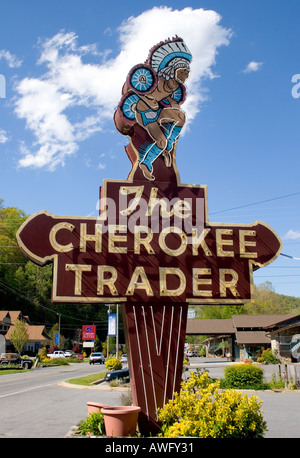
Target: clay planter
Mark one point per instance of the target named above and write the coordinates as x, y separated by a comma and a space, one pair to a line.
120, 421
96, 407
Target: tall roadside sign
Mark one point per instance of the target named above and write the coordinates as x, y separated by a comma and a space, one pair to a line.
152, 248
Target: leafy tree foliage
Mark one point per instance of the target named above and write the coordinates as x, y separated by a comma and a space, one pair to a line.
19, 336
265, 302
27, 287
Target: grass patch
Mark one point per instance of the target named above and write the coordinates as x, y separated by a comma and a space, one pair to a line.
12, 371
88, 379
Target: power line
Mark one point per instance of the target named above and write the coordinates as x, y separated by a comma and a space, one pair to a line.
255, 203
272, 276
17, 293
288, 256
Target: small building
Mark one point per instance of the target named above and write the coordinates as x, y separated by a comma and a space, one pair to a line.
285, 338
246, 336
37, 335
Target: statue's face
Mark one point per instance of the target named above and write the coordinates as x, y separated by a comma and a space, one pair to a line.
182, 74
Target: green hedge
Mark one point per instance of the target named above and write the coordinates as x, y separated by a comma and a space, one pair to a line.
244, 376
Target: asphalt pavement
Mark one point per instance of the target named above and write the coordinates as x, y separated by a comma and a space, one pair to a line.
40, 404
281, 409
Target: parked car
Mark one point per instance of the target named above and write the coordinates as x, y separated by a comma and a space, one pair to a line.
97, 357
123, 358
68, 353
121, 374
192, 353
56, 354
15, 358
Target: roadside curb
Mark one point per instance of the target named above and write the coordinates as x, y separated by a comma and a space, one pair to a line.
100, 387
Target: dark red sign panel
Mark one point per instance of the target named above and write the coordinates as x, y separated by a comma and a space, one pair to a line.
149, 245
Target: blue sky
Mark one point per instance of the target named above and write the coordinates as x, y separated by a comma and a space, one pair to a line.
64, 64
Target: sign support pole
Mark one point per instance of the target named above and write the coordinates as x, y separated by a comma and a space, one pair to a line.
156, 335
117, 330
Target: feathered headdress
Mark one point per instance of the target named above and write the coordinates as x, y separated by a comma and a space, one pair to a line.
169, 55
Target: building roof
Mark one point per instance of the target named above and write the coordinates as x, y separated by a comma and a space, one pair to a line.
252, 337
13, 315
210, 327
257, 321
35, 333
248, 329
288, 320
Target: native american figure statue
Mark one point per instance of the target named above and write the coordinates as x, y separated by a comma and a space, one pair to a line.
149, 111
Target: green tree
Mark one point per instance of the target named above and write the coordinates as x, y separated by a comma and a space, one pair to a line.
208, 312
11, 257
54, 330
19, 336
34, 282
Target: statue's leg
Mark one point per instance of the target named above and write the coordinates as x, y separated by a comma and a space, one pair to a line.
150, 152
150, 156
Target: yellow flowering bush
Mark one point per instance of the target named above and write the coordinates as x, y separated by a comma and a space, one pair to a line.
47, 360
113, 364
201, 409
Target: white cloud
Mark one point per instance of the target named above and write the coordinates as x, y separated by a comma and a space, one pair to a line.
292, 235
3, 136
11, 60
51, 104
253, 67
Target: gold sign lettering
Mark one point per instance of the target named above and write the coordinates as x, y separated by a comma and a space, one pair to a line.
113, 237
163, 272
201, 281
220, 242
244, 243
78, 269
52, 237
228, 284
162, 241
96, 237
109, 282
139, 272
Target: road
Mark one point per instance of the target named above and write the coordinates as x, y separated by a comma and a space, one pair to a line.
216, 366
281, 410
36, 404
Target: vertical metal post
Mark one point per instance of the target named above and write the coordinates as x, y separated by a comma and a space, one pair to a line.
107, 350
59, 330
117, 333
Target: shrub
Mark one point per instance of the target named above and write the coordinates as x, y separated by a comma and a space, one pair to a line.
276, 383
244, 376
43, 354
93, 425
113, 364
268, 357
202, 351
54, 361
202, 410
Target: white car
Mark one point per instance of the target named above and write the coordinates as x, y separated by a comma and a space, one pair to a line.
97, 357
123, 358
68, 353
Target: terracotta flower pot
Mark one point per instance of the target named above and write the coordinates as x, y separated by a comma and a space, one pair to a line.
96, 407
120, 421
